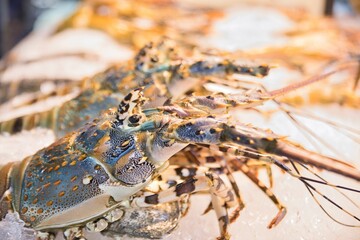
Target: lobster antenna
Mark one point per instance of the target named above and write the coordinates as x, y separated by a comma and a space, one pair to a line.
311, 188
295, 86
337, 188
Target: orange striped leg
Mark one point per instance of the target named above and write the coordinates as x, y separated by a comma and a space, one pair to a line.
238, 165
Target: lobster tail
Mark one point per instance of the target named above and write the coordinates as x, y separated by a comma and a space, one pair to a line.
302, 155
42, 119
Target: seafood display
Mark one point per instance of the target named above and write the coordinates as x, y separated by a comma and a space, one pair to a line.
144, 138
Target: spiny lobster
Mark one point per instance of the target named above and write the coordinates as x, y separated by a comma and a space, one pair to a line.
171, 72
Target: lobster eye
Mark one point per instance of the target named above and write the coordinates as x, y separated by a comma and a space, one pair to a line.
134, 118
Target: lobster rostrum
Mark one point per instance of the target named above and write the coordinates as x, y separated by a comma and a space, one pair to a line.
90, 173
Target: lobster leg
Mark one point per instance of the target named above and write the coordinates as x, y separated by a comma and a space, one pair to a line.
206, 159
222, 197
229, 165
253, 164
220, 208
236, 164
236, 213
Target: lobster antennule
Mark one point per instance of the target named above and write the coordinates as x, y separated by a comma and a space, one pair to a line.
219, 103
311, 80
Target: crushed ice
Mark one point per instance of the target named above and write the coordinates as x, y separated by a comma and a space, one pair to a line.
12, 228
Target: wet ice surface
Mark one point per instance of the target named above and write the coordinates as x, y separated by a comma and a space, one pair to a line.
304, 219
